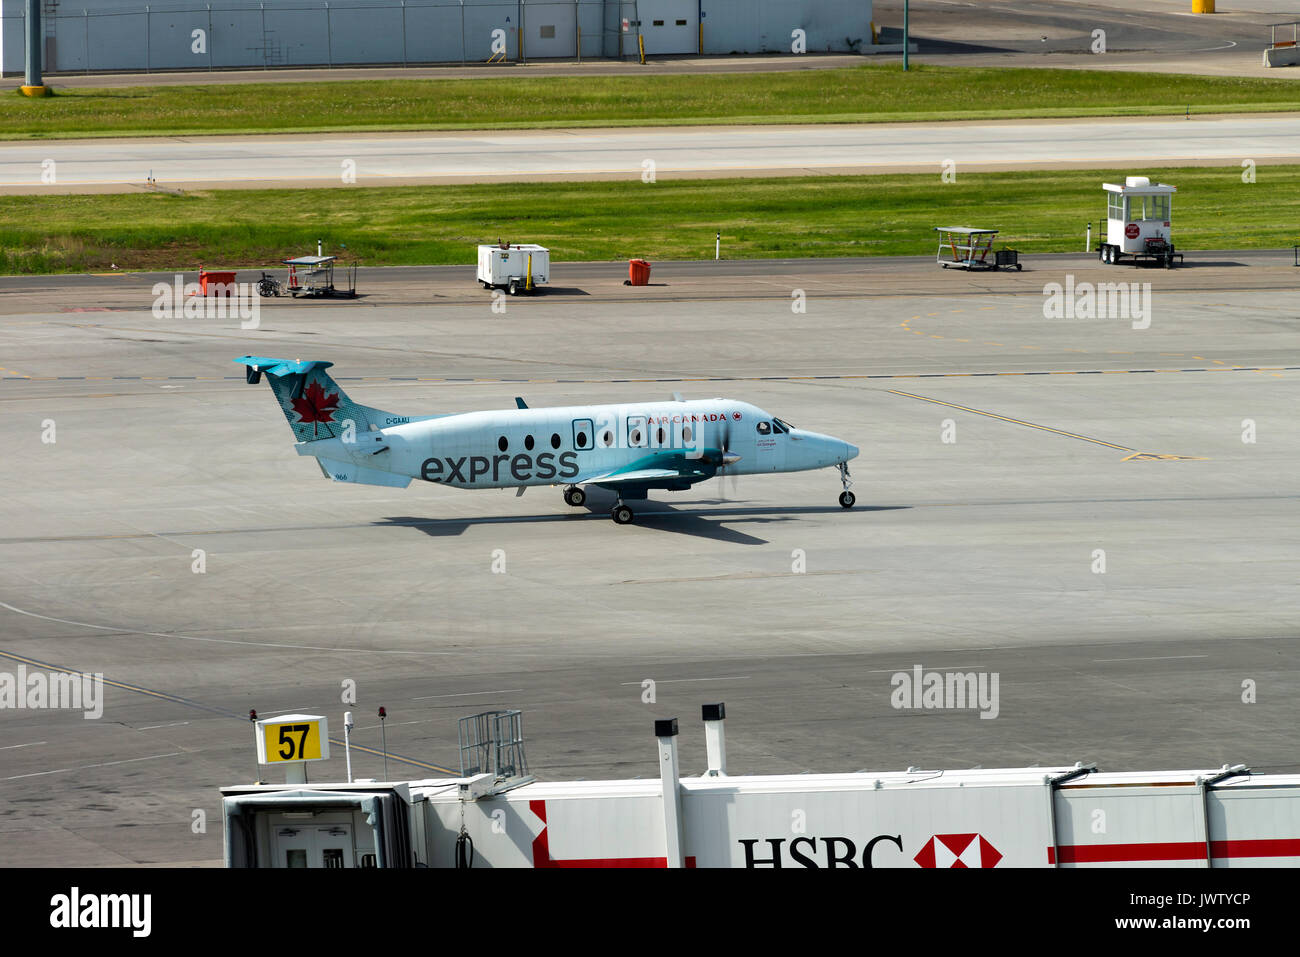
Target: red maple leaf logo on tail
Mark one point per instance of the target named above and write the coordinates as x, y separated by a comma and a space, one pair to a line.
315, 406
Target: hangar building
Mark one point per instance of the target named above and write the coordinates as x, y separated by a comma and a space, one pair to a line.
137, 36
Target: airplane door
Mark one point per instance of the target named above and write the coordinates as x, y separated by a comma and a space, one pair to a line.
769, 448
583, 434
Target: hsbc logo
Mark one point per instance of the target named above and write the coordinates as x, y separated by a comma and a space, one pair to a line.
942, 850
958, 850
816, 852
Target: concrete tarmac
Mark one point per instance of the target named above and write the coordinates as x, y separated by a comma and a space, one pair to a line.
1105, 516
123, 165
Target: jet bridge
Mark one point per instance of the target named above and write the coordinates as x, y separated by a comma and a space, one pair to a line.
494, 816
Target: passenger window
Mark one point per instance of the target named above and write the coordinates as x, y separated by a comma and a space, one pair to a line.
555, 440
528, 442
502, 444
637, 436
582, 433
607, 438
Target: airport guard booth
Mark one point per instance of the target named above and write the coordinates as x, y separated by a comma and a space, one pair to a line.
1139, 215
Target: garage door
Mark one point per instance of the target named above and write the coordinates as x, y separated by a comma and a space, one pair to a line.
551, 30
670, 26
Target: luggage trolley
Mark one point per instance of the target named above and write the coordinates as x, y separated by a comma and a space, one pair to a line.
314, 276
968, 248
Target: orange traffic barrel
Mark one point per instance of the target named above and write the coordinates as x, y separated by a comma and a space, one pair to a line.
638, 272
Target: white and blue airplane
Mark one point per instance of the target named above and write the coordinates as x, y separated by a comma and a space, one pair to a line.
629, 448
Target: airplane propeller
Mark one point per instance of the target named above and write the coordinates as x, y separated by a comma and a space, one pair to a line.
726, 457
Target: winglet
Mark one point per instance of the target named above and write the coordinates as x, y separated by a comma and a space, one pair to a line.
520, 402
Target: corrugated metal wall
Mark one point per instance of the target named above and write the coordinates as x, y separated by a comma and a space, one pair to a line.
107, 35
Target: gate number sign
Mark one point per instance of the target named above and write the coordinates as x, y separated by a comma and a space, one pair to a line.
292, 737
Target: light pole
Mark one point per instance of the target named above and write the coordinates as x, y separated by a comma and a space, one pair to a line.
32, 85
347, 741
904, 36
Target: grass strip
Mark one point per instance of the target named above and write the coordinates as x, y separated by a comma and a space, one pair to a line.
815, 216
862, 94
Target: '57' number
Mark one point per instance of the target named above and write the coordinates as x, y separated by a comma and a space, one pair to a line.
286, 742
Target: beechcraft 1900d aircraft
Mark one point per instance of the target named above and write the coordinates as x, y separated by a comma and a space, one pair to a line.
628, 449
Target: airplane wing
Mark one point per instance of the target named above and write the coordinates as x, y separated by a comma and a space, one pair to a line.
642, 476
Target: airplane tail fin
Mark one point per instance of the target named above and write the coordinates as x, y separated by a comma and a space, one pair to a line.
313, 403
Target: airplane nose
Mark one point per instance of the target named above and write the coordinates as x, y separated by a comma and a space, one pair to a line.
850, 451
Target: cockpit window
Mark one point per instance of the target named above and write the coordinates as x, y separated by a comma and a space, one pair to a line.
782, 426
764, 428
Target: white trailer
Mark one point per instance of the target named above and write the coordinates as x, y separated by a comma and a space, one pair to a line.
515, 267
1138, 219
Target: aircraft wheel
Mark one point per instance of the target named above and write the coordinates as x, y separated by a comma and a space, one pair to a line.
622, 515
574, 496
847, 499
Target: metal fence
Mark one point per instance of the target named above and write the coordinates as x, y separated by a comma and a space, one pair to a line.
273, 34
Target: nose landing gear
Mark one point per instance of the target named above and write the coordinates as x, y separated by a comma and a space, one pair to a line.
574, 496
847, 498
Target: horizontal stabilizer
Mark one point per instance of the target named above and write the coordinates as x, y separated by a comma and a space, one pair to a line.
281, 367
347, 472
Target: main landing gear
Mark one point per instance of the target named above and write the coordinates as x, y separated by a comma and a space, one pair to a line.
621, 514
847, 498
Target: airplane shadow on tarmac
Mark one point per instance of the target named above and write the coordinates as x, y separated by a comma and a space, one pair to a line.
713, 523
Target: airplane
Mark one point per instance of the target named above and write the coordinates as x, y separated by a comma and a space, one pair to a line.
628, 448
